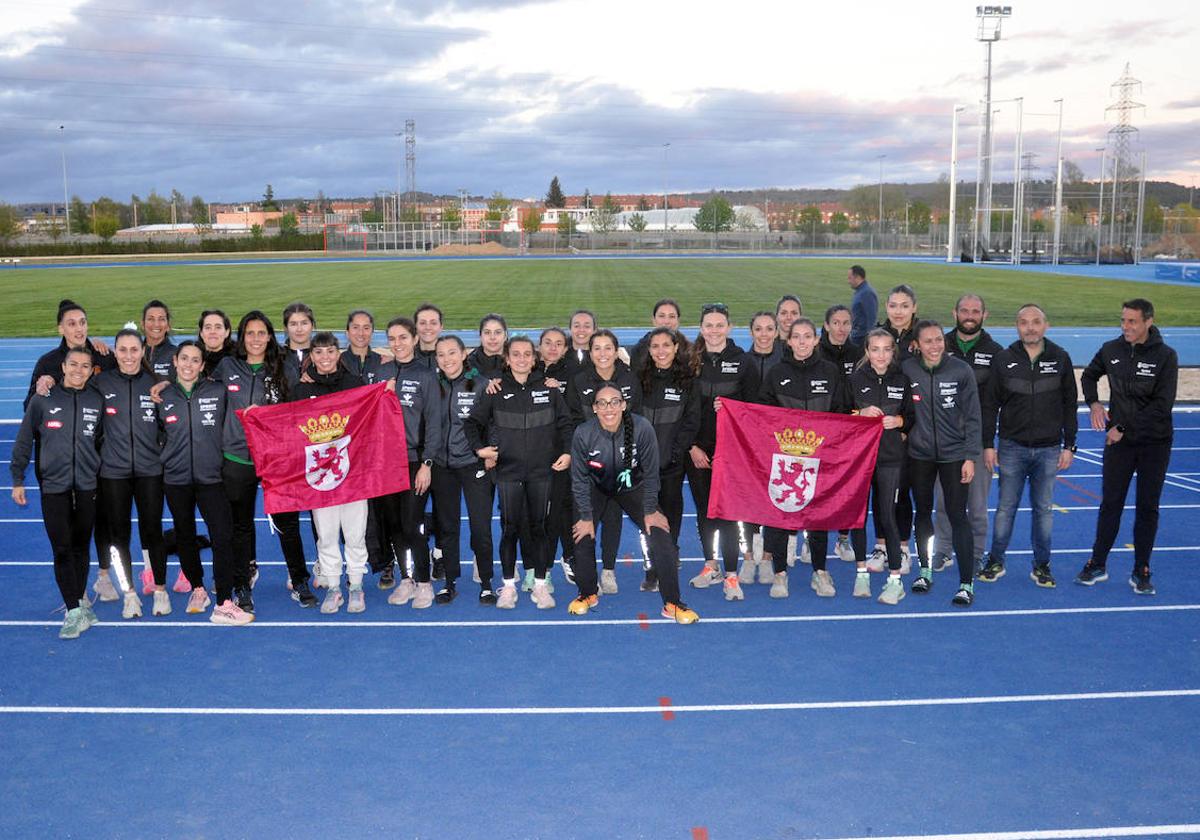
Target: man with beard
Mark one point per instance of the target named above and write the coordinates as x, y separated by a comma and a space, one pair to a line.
970, 342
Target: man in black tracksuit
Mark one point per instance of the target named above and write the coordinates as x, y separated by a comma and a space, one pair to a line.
1032, 388
970, 342
1143, 373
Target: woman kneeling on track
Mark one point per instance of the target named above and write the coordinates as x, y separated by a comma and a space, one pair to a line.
191, 420
614, 463
66, 424
879, 389
525, 429
131, 469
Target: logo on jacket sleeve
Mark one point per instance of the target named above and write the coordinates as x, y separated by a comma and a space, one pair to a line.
793, 481
327, 458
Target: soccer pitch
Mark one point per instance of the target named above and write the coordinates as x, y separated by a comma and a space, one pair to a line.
540, 292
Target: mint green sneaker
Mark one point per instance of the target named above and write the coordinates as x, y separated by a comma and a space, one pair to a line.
74, 624
88, 612
527, 584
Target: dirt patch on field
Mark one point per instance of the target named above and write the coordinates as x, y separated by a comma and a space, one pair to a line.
487, 249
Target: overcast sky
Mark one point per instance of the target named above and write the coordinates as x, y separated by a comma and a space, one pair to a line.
220, 98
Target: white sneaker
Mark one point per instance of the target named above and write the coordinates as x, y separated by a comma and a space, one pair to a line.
103, 587
822, 584
733, 589
791, 550
507, 598
423, 600
358, 601
474, 571
779, 588
905, 560
132, 607
198, 601
707, 577
541, 595
333, 600
567, 570
608, 582
756, 547
805, 552
766, 572
404, 592
893, 591
162, 603
862, 585
843, 549
877, 562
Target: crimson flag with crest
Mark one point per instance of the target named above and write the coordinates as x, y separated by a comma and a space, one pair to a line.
792, 469
330, 450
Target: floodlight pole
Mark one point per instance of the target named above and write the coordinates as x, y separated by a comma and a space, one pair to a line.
666, 227
990, 20
1137, 236
953, 183
62, 144
881, 157
1058, 191
1016, 195
1100, 205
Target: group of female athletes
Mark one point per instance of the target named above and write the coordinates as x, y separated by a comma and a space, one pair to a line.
569, 430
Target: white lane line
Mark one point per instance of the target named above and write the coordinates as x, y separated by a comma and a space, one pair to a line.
1049, 833
200, 622
468, 562
503, 711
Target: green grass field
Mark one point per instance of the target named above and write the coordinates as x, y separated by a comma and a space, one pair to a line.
541, 292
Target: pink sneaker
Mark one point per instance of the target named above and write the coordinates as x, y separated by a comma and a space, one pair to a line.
199, 601
403, 593
181, 583
231, 614
147, 582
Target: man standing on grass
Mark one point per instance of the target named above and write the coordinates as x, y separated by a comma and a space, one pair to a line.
864, 308
1032, 389
1142, 376
970, 342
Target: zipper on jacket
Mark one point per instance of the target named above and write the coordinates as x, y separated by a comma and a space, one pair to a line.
933, 413
132, 442
74, 428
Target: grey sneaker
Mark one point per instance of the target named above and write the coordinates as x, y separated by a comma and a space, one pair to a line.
893, 591
707, 577
608, 582
779, 588
333, 600
403, 593
766, 571
358, 600
862, 585
132, 607
877, 562
822, 584
88, 612
733, 589
843, 549
104, 589
791, 551
74, 623
423, 599
162, 603
541, 595
905, 560
805, 551
507, 599
941, 562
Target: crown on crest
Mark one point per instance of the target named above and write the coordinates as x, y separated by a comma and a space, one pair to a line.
798, 442
325, 428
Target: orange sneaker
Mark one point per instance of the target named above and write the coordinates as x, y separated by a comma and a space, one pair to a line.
680, 613
581, 605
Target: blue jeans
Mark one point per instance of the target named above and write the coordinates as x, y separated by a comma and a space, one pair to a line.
1017, 463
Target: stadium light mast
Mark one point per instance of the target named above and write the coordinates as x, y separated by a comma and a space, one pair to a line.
881, 157
62, 144
990, 20
1103, 150
666, 148
950, 233
1058, 197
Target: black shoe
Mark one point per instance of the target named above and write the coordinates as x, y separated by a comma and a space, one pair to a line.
1042, 577
992, 571
1091, 574
302, 593
1140, 581
242, 596
202, 541
253, 573
922, 585
650, 584
568, 567
387, 578
963, 597
446, 594
439, 569
487, 598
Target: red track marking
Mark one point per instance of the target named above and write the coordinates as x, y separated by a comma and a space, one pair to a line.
667, 714
628, 558
1082, 490
700, 833
643, 621
1079, 499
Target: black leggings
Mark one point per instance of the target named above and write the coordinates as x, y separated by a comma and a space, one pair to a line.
562, 515
450, 486
885, 489
712, 530
183, 499
922, 476
379, 546
406, 526
241, 489
902, 511
117, 496
1121, 461
524, 510
68, 518
664, 556
775, 542
670, 498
